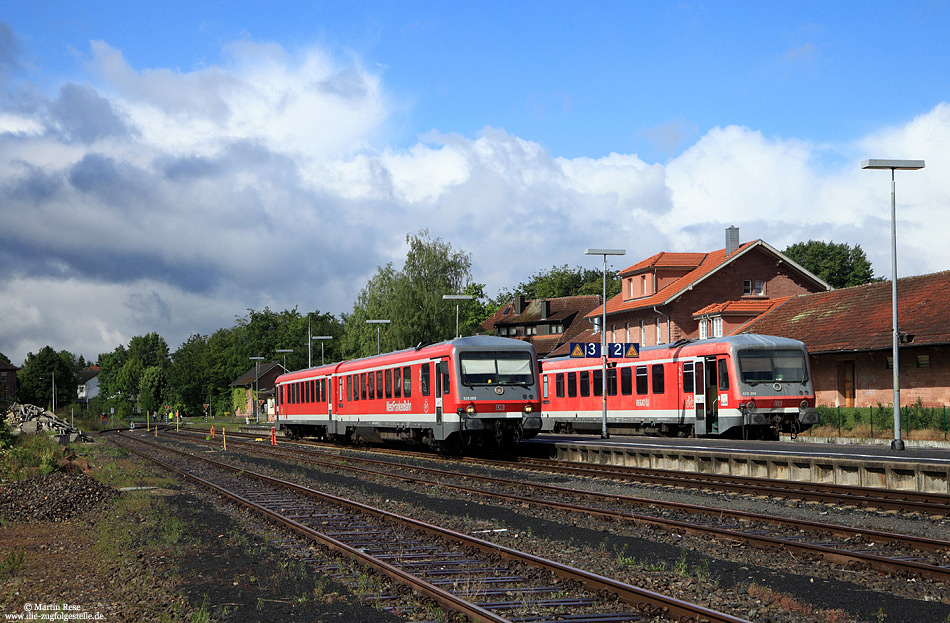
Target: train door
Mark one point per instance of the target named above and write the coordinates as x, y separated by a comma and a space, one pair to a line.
441, 373
694, 394
712, 396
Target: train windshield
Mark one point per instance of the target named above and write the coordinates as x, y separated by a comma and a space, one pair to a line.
772, 366
496, 368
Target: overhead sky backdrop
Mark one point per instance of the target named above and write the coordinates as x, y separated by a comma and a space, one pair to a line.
166, 166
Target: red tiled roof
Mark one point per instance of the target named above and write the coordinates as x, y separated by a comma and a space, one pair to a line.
859, 318
740, 308
708, 263
587, 335
665, 259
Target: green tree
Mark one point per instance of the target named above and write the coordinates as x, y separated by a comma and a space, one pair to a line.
411, 298
561, 281
839, 265
153, 389
39, 374
122, 370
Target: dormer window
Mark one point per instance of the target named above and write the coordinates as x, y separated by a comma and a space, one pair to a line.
753, 287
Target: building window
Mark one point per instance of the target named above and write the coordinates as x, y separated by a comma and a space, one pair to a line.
923, 361
643, 284
531, 330
753, 288
717, 326
703, 329
659, 330
643, 332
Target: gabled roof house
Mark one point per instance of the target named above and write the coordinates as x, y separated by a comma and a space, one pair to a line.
546, 323
672, 296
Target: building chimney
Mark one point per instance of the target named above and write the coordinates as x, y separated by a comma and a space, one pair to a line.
732, 240
520, 304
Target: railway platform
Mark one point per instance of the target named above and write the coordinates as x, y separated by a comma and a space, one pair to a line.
917, 468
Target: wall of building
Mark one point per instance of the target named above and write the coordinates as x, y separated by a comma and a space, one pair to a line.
873, 378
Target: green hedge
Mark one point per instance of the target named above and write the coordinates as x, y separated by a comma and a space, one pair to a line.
880, 417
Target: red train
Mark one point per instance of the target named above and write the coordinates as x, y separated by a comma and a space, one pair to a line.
744, 386
472, 391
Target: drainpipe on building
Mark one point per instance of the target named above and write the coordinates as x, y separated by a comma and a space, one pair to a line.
669, 330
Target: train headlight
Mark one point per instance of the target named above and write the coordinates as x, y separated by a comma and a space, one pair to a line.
528, 409
470, 410
750, 406
803, 404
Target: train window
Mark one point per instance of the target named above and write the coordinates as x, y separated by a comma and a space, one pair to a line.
612, 381
379, 383
310, 393
370, 386
424, 375
658, 380
598, 382
723, 374
362, 386
626, 380
642, 381
406, 382
349, 388
559, 385
446, 383
572, 384
389, 383
688, 384
397, 383
544, 385
585, 383
323, 390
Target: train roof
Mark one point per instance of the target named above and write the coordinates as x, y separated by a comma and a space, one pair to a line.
472, 343
742, 341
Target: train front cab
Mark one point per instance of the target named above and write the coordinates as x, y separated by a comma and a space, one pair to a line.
750, 392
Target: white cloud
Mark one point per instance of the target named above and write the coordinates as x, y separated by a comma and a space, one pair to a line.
180, 199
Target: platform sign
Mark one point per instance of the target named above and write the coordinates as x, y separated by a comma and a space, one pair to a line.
580, 350
615, 350
623, 350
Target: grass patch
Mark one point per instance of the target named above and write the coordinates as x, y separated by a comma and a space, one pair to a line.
29, 455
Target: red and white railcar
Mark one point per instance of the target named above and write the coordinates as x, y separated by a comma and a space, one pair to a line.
744, 386
471, 391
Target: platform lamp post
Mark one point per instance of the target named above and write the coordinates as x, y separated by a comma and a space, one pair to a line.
322, 338
284, 351
457, 298
378, 323
257, 372
904, 165
603, 333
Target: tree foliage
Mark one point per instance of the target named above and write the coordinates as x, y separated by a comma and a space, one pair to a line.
561, 281
411, 299
840, 265
43, 370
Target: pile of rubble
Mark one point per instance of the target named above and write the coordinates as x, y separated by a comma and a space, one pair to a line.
29, 419
56, 497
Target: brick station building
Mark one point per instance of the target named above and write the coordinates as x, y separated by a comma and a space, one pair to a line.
848, 333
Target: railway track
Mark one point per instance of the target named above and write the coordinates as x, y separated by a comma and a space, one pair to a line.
481, 580
864, 497
901, 555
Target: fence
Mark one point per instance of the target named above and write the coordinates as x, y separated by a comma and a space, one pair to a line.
880, 419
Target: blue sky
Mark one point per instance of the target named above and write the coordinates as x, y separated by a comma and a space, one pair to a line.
175, 159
